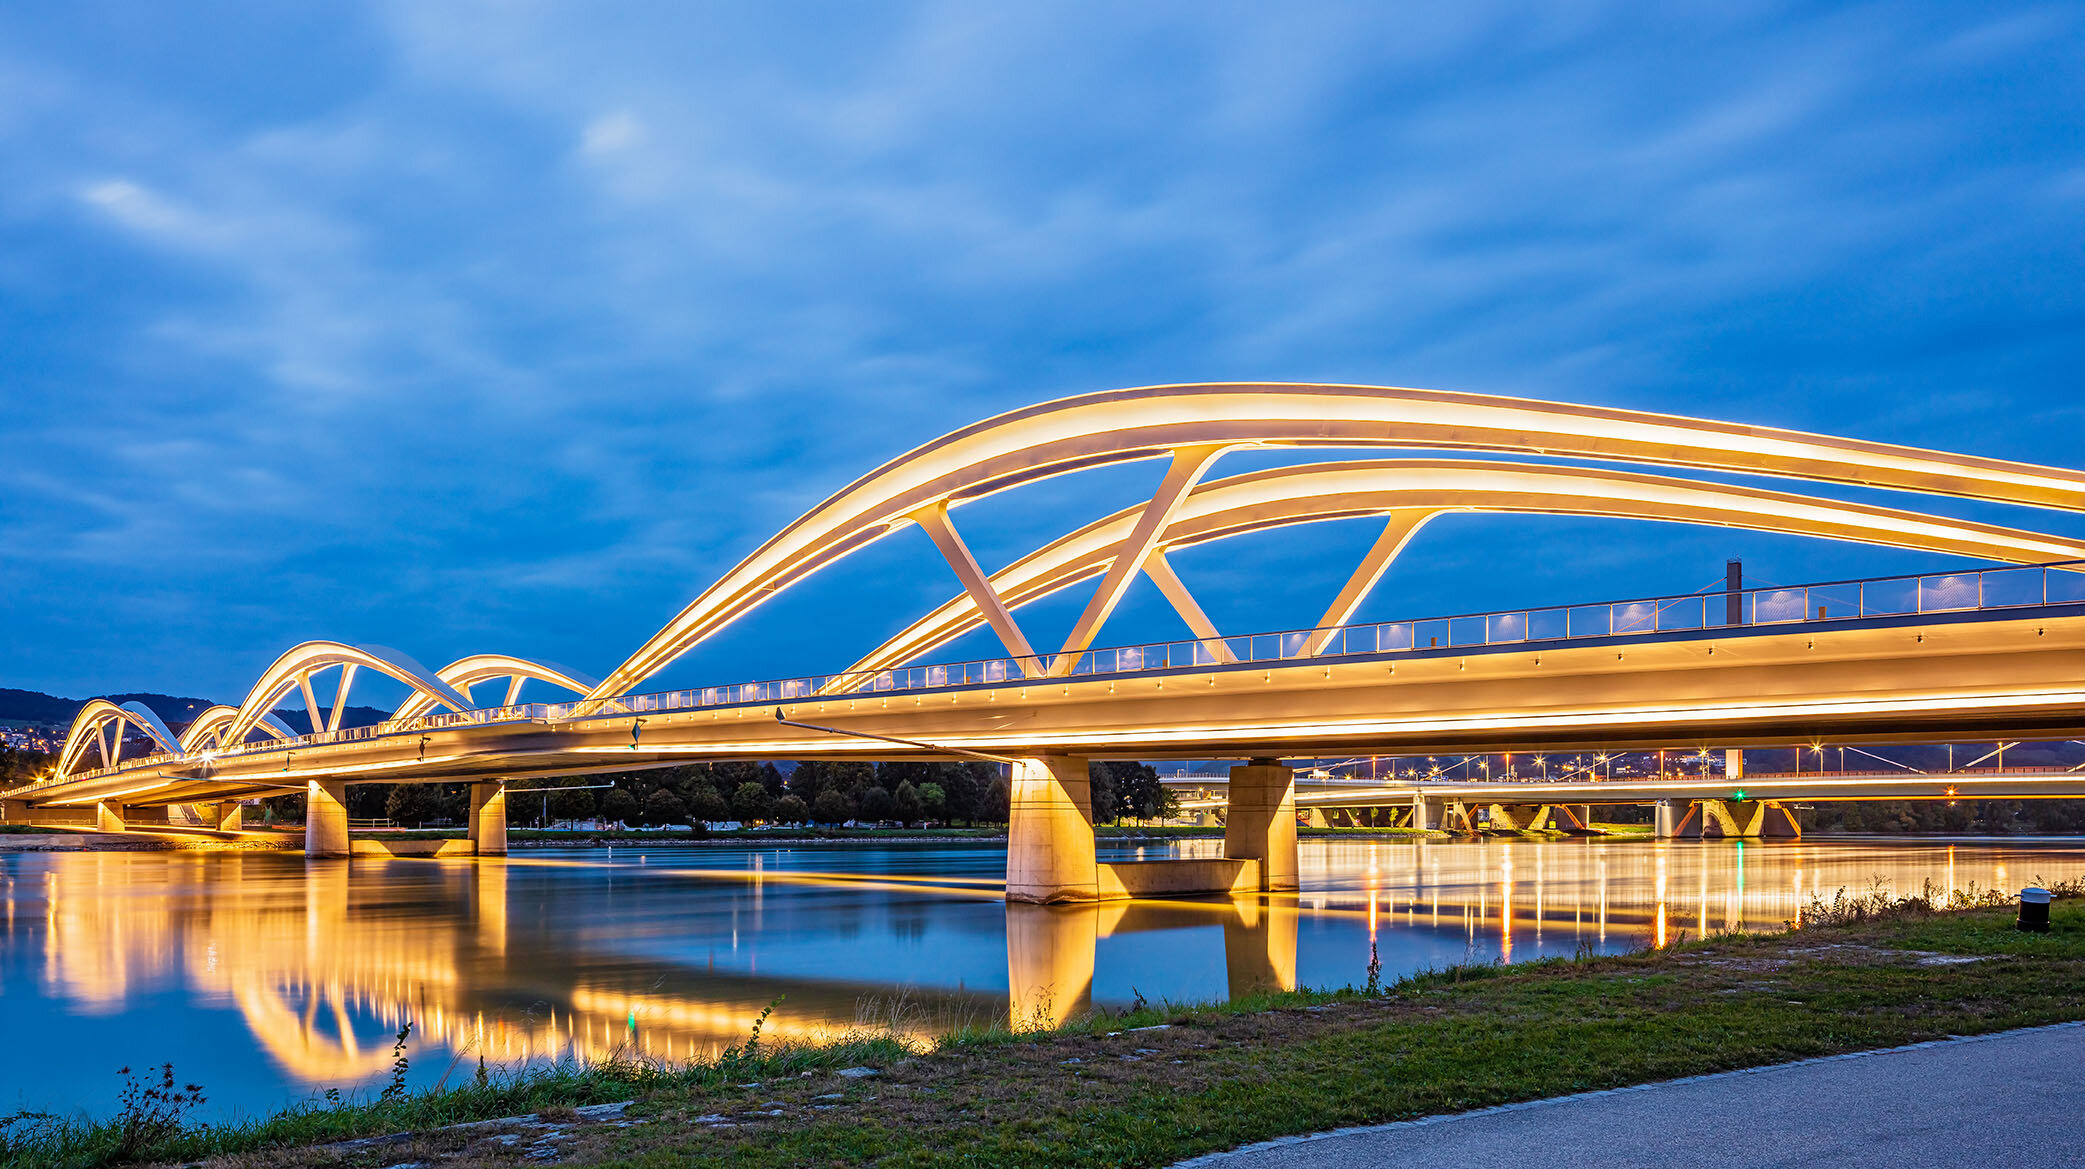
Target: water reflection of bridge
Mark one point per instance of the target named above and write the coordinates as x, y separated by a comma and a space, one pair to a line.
323, 969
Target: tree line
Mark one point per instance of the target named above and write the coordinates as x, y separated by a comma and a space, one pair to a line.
818, 792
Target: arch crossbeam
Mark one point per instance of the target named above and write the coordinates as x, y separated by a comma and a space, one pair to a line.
1409, 492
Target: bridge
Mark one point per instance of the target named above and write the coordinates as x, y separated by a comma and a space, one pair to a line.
1986, 652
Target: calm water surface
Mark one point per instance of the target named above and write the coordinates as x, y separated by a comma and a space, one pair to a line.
267, 979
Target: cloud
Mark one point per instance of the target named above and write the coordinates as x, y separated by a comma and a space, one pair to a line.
611, 133
519, 323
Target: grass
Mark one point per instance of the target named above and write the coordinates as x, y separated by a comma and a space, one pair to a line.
1866, 971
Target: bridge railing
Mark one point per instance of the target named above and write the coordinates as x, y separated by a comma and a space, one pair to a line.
1875, 597
1996, 588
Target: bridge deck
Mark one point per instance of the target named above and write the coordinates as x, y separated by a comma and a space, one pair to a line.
1979, 674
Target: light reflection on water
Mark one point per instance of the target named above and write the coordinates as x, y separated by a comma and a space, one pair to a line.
267, 979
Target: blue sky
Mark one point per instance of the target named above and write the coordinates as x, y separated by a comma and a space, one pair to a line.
509, 327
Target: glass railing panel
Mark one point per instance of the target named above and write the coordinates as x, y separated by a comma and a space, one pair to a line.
1591, 621
1941, 594
1431, 634
1466, 631
2004, 587
1685, 612
2065, 585
1635, 616
1548, 624
1394, 636
1834, 602
1880, 598
1772, 606
1505, 627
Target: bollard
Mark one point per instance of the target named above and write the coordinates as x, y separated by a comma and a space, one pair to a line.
2034, 910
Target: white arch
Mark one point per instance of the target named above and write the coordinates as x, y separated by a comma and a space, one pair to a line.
464, 673
205, 731
101, 722
295, 667
1413, 491
1197, 423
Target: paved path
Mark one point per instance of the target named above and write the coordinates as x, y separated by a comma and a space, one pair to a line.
2015, 1100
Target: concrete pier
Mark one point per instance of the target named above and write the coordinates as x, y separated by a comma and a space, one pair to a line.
325, 818
1050, 854
1049, 839
1261, 824
488, 817
109, 817
1427, 814
1665, 815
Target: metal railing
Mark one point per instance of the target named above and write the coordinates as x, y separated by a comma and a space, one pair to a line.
1974, 589
1990, 589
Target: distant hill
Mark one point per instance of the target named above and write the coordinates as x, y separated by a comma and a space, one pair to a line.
299, 720
37, 707
34, 706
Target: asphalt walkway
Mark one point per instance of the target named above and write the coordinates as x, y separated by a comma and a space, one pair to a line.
2014, 1100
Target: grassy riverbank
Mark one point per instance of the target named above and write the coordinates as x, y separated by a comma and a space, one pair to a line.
1164, 1083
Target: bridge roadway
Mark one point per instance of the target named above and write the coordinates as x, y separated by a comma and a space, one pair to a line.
1977, 674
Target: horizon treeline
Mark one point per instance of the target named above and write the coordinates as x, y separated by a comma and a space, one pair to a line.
823, 792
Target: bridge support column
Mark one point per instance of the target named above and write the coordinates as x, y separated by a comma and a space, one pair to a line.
1734, 763
325, 818
231, 816
489, 817
1262, 822
13, 811
109, 817
1427, 814
1049, 836
1665, 816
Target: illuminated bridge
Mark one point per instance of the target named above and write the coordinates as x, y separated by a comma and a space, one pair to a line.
1977, 653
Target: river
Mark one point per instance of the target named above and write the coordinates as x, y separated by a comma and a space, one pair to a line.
267, 980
